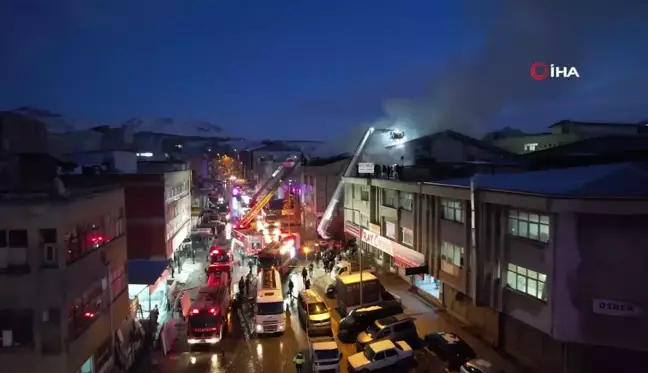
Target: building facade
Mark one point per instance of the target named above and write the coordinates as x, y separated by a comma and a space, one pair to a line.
319, 180
539, 269
562, 133
63, 282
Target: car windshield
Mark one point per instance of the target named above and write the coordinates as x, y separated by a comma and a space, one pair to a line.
219, 258
326, 354
268, 262
317, 308
369, 353
274, 308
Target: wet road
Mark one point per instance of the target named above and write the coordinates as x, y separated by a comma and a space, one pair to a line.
244, 351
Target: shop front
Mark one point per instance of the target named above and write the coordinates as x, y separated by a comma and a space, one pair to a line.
352, 230
148, 284
397, 258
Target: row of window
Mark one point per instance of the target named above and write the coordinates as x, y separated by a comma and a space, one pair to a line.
178, 190
77, 242
452, 210
526, 225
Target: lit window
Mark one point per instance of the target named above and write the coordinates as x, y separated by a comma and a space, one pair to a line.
390, 230
527, 225
389, 198
452, 253
530, 147
452, 210
526, 281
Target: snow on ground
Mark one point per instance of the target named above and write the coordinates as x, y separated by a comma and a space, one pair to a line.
178, 127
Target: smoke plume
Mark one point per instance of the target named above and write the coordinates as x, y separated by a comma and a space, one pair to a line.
479, 91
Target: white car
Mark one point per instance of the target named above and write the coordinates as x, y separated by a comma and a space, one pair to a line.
379, 355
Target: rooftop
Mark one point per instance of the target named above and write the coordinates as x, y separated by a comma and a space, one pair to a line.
620, 180
460, 138
597, 124
355, 277
50, 195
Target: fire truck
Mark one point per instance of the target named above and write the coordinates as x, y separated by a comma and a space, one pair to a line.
219, 270
278, 255
208, 314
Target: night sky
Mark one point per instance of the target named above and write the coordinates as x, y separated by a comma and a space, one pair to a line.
312, 69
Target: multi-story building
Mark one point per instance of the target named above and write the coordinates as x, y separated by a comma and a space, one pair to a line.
547, 265
158, 218
63, 284
562, 133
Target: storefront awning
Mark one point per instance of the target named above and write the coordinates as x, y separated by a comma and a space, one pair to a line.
145, 271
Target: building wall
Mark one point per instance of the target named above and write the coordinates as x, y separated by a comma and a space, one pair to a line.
54, 283
21, 134
591, 252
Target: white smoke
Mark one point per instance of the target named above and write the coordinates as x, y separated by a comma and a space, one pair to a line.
473, 92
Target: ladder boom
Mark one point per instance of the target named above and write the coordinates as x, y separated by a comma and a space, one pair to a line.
322, 228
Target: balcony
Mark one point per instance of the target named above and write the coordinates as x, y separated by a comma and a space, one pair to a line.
93, 266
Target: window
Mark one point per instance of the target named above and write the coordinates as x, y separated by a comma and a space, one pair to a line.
17, 328
86, 309
527, 225
364, 193
389, 198
406, 201
530, 147
118, 281
452, 253
526, 281
364, 220
390, 229
18, 238
452, 210
407, 236
348, 215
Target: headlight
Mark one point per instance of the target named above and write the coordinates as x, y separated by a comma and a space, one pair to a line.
280, 328
259, 328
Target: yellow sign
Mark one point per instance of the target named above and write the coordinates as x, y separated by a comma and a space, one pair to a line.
196, 211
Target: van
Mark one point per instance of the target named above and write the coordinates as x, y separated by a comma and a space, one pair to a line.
396, 328
361, 318
313, 312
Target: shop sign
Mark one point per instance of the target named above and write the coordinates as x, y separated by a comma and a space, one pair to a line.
375, 228
615, 308
378, 241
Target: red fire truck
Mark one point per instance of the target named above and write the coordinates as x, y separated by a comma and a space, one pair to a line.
278, 255
207, 319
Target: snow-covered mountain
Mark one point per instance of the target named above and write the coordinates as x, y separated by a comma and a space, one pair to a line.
54, 122
172, 126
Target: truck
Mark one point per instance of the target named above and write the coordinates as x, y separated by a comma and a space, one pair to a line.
324, 353
346, 267
269, 308
347, 288
208, 314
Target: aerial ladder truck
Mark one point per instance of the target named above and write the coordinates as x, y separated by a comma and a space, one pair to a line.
267, 190
322, 228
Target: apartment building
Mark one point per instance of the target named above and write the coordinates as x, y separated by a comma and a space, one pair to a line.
547, 265
63, 286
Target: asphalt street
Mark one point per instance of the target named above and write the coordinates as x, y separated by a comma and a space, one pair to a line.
244, 351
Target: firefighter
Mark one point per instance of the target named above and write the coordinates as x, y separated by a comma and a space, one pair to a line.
299, 361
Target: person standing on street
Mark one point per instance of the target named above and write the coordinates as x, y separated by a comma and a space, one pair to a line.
299, 361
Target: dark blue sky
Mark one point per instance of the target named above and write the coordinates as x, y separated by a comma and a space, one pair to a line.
304, 68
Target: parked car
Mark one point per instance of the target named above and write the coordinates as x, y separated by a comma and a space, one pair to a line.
360, 319
396, 328
380, 355
313, 312
479, 366
449, 347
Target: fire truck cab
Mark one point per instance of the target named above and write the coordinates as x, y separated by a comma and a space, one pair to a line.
207, 318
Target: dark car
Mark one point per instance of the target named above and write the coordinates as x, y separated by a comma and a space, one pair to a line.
449, 347
360, 319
